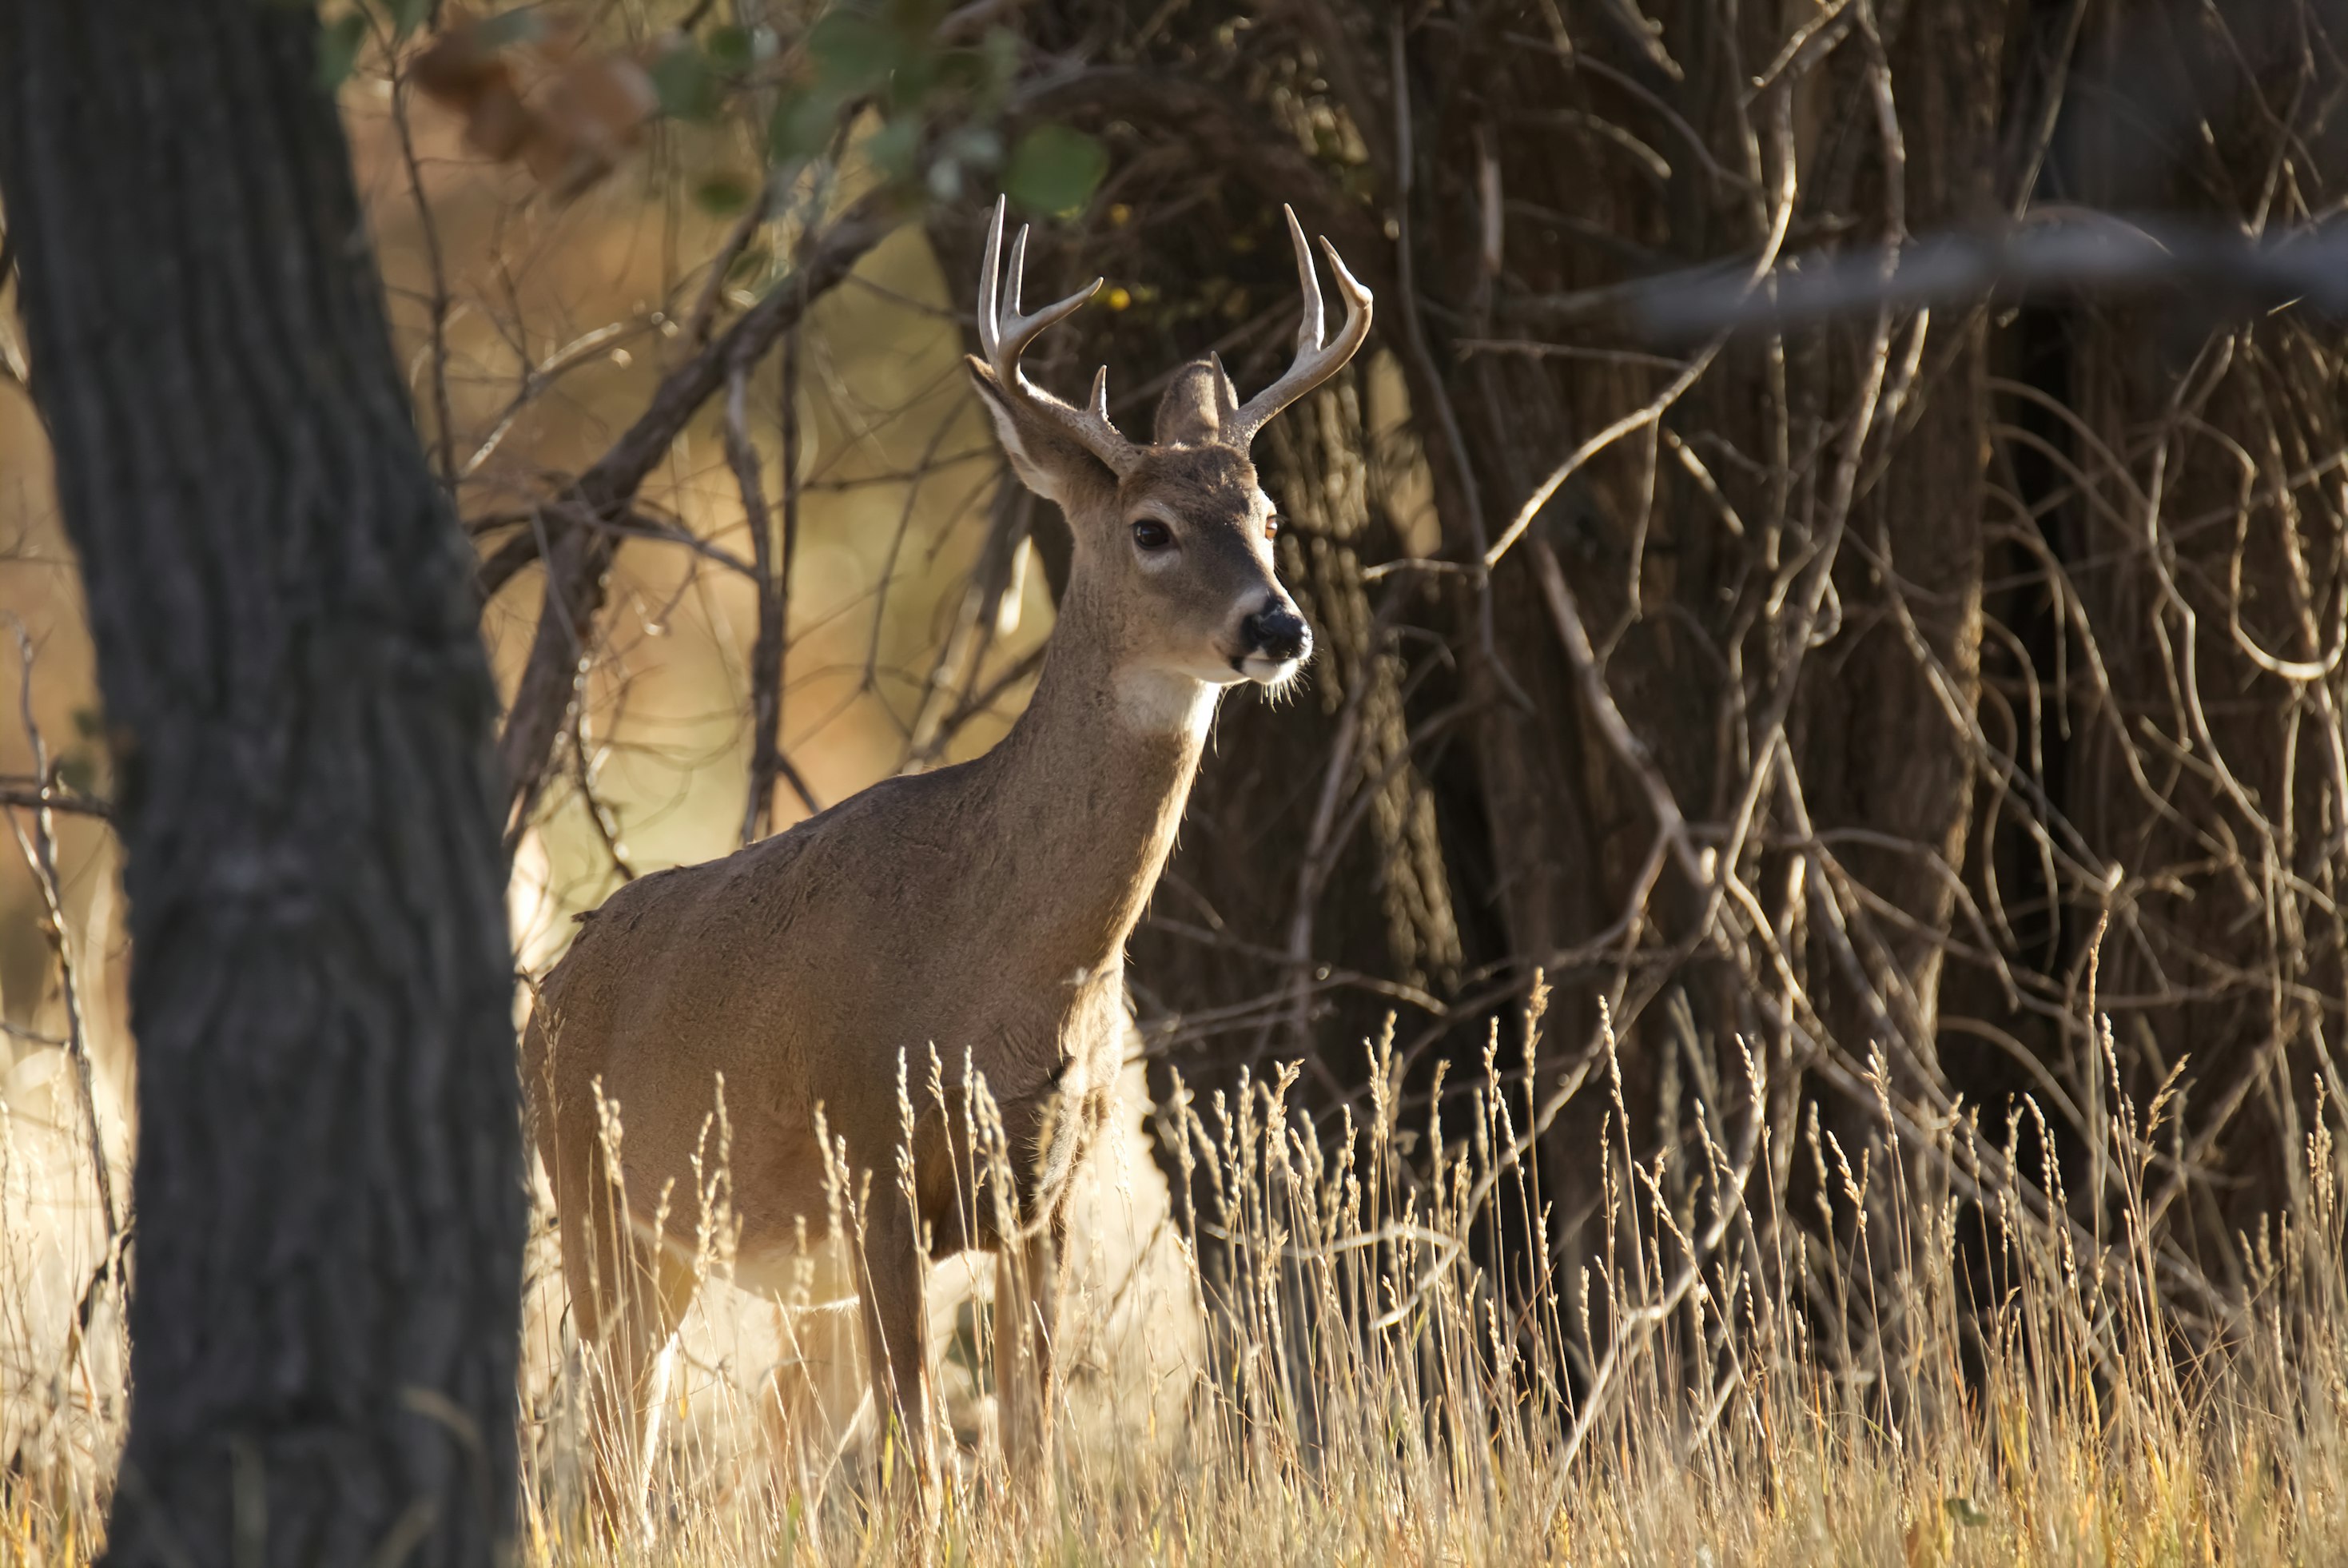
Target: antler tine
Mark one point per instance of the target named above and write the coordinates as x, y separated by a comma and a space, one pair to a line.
1019, 265
1002, 331
1005, 334
1308, 321
990, 278
1315, 361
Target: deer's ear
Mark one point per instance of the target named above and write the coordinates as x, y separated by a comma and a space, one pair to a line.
1199, 405
1046, 461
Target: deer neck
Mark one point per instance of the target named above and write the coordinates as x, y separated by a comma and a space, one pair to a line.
1091, 783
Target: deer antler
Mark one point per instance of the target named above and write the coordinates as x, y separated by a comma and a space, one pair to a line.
1004, 335
1315, 361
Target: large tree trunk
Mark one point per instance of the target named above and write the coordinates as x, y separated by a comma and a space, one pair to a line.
325, 1323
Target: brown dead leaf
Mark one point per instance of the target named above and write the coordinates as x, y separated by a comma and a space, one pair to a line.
570, 125
594, 112
460, 71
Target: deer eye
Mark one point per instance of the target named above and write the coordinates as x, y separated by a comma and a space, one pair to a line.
1271, 528
1151, 534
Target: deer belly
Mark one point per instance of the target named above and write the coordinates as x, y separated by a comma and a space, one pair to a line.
815, 1277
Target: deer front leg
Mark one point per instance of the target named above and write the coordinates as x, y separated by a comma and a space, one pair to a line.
896, 1344
1026, 1318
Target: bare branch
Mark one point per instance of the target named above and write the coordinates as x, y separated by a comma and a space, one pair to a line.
40, 851
578, 558
2062, 251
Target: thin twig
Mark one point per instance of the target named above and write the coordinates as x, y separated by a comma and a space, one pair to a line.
40, 851
444, 436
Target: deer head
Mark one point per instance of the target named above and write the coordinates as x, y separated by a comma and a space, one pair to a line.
1172, 571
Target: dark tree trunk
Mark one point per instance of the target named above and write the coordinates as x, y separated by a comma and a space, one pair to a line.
325, 1322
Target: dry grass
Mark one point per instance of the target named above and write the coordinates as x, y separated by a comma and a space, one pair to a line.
1950, 1383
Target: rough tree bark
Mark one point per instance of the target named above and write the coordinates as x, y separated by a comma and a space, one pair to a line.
331, 1210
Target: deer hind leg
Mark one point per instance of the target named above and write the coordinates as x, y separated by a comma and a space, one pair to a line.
1026, 1319
811, 1399
896, 1343
628, 1293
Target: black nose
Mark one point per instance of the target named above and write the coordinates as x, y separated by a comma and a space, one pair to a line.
1277, 633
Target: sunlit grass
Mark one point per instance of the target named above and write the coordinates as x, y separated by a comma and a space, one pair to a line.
1954, 1382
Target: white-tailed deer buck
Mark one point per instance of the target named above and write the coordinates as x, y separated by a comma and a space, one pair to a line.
979, 911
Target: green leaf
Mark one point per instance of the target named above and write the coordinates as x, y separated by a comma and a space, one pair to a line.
723, 194
802, 124
853, 53
686, 86
406, 16
909, 84
729, 48
960, 70
1054, 169
1000, 50
892, 148
339, 48
978, 75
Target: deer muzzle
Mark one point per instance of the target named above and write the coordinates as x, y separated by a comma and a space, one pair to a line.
1275, 644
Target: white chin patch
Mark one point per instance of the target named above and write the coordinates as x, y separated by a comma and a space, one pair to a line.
1265, 670
1165, 701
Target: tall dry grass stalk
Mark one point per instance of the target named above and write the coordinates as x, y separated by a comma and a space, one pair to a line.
1787, 1355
